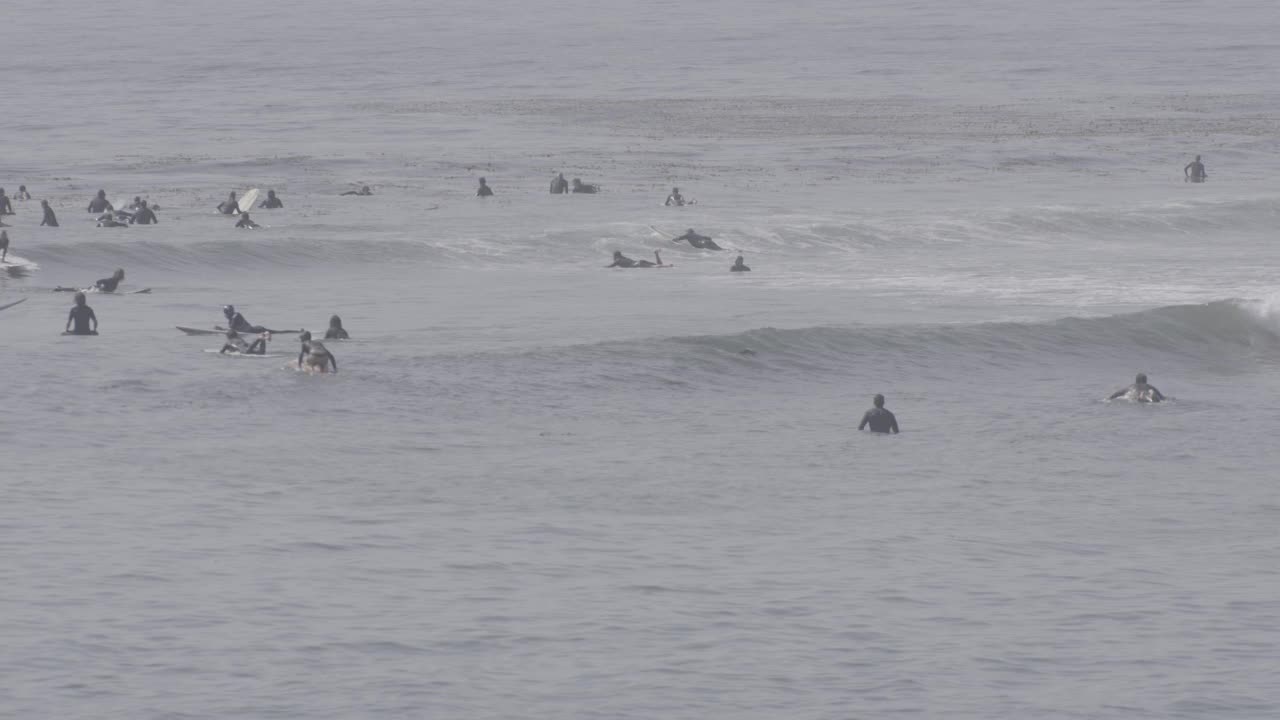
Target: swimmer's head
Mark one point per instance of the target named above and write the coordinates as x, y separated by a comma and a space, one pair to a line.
229, 310
617, 254
118, 274
304, 336
80, 298
271, 193
1141, 379
102, 194
878, 401
365, 189
335, 321
481, 181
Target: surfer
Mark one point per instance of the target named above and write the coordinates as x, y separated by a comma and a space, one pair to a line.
50, 219
4, 245
739, 265
236, 344
144, 215
314, 356
363, 192
484, 190
675, 198
1194, 172
109, 221
81, 315
100, 204
336, 331
109, 285
559, 185
1140, 391
702, 242
246, 223
236, 321
272, 202
230, 206
622, 261
580, 187
881, 420
6, 207
22, 193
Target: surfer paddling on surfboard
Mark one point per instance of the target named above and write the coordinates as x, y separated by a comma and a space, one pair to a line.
622, 261
484, 190
81, 315
314, 357
1139, 391
702, 242
237, 345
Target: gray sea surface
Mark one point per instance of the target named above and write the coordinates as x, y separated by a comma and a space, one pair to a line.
538, 488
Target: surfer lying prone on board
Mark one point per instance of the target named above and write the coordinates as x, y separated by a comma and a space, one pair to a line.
362, 192
109, 221
702, 242
622, 261
314, 356
237, 344
1139, 391
82, 315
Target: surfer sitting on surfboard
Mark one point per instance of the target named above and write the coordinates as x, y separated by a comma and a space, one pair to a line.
702, 242
100, 204
246, 223
1140, 391
314, 356
236, 344
622, 261
82, 315
230, 206
272, 202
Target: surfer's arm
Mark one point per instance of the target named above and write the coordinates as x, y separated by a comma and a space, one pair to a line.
94, 318
333, 360
70, 316
865, 418
893, 423
301, 354
1118, 394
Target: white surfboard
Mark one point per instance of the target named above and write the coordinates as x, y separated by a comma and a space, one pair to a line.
248, 200
218, 351
13, 261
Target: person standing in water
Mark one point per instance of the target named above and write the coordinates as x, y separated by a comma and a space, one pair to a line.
1194, 172
272, 202
50, 220
22, 193
484, 190
739, 265
230, 206
4, 245
144, 215
881, 421
314, 356
100, 204
336, 331
1140, 391
675, 198
81, 315
6, 207
559, 186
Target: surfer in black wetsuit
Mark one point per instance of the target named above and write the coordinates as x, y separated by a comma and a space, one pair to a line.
881, 420
739, 265
81, 314
272, 202
1194, 172
6, 207
363, 192
246, 223
100, 204
484, 189
675, 198
581, 187
236, 344
314, 356
702, 242
4, 245
109, 285
230, 206
559, 186
236, 321
336, 331
1140, 391
22, 193
144, 215
622, 261
50, 220
109, 221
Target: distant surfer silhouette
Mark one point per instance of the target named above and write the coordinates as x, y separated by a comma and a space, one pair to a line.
6, 207
230, 206
314, 356
1194, 172
702, 242
878, 418
739, 265
4, 245
559, 185
50, 220
622, 261
584, 188
484, 189
336, 331
22, 193
1139, 391
144, 215
100, 204
363, 192
675, 198
245, 223
81, 316
272, 202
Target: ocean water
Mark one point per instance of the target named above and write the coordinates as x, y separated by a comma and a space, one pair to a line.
542, 489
